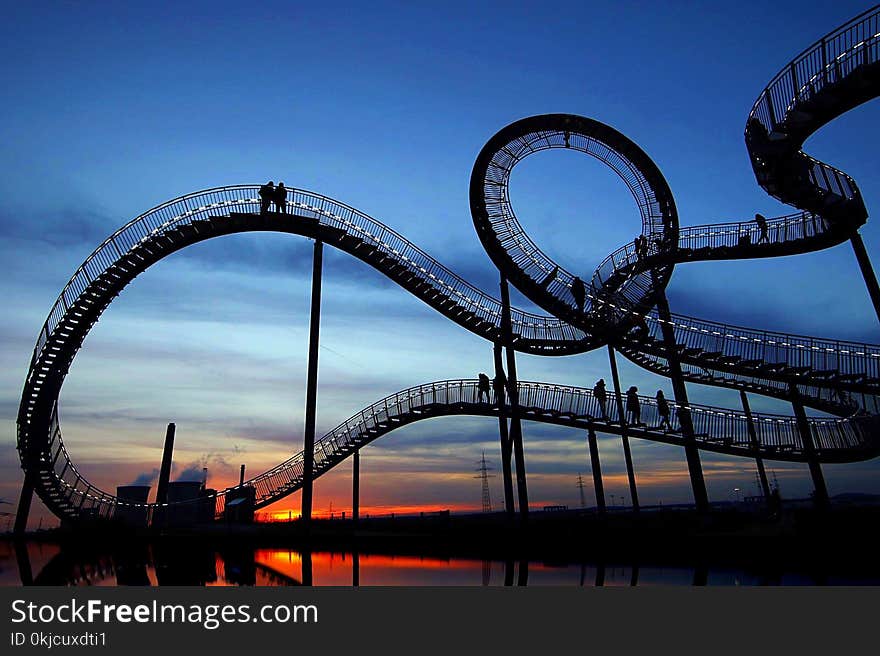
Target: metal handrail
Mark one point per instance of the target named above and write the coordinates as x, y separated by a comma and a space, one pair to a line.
776, 433
825, 63
182, 210
822, 54
349, 433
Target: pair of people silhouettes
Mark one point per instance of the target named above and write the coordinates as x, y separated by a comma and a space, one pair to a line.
272, 195
485, 385
634, 408
633, 405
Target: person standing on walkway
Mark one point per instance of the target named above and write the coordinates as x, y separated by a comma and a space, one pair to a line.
280, 198
663, 410
601, 395
762, 226
267, 194
500, 383
483, 387
633, 407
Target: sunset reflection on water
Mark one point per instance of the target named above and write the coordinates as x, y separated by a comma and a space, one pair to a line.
186, 564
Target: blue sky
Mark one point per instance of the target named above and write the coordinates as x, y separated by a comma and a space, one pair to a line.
112, 108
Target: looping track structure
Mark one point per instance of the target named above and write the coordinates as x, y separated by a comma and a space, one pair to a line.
835, 74
533, 272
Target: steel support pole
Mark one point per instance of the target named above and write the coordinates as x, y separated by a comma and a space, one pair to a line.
627, 454
356, 486
753, 439
692, 453
597, 470
24, 506
503, 435
821, 491
312, 384
513, 394
867, 271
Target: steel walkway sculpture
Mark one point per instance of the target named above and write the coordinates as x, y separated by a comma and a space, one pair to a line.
624, 304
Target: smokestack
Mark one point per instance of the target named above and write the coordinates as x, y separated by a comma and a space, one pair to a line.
241, 478
165, 471
204, 477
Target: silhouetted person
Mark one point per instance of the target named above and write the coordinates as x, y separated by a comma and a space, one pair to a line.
633, 407
483, 387
641, 330
567, 136
500, 383
550, 278
280, 198
267, 193
762, 226
641, 245
579, 292
601, 396
663, 410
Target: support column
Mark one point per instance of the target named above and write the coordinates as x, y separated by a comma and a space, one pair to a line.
627, 454
502, 431
597, 470
356, 486
692, 453
513, 394
753, 440
820, 492
867, 271
312, 384
355, 569
24, 506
